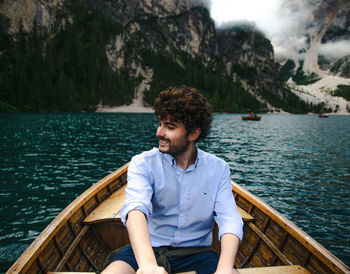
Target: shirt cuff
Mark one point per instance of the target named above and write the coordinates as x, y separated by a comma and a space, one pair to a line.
236, 229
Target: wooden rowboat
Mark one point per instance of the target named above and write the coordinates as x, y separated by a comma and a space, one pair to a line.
251, 118
322, 115
80, 238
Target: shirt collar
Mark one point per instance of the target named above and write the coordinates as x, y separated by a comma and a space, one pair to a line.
172, 162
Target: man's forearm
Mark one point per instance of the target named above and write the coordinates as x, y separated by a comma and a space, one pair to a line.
139, 238
229, 247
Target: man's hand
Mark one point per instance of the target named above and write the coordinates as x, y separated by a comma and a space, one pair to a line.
151, 269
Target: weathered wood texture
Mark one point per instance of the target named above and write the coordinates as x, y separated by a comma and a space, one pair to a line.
290, 269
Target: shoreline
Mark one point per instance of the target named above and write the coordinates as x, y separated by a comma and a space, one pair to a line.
142, 109
124, 109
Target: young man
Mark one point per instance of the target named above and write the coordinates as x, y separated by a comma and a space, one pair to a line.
175, 193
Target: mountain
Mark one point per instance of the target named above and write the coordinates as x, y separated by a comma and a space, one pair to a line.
65, 55
342, 67
247, 53
321, 74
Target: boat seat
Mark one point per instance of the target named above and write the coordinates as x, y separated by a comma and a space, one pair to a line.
110, 209
285, 269
245, 215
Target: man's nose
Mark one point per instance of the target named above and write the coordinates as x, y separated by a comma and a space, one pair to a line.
160, 132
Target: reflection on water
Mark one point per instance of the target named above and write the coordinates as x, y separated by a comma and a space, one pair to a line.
299, 164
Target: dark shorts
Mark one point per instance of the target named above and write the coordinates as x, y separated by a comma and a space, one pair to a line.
203, 263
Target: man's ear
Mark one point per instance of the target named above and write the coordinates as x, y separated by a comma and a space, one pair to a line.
192, 137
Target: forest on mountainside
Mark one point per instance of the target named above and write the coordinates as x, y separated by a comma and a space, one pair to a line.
69, 72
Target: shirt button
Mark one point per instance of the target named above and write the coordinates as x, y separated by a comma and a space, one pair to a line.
182, 215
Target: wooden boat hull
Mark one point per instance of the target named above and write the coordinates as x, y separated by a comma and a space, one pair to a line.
248, 118
71, 243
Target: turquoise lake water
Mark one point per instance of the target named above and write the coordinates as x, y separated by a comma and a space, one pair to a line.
299, 164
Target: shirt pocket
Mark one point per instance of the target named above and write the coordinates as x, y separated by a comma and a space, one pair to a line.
202, 205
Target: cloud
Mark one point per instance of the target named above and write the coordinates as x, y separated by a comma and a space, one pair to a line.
287, 28
288, 24
284, 22
335, 50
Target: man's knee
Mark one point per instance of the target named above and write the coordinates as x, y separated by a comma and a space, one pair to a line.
118, 267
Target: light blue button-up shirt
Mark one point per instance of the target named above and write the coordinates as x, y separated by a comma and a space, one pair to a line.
181, 206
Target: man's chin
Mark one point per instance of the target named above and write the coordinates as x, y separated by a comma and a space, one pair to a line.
163, 149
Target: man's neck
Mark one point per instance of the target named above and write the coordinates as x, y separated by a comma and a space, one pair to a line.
186, 159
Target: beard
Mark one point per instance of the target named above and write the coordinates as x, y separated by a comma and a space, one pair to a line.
172, 148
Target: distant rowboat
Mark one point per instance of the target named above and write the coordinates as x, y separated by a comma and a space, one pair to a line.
81, 237
323, 115
251, 118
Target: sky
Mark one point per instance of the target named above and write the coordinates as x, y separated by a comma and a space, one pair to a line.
286, 28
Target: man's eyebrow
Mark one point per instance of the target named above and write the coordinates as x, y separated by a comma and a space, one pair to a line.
171, 124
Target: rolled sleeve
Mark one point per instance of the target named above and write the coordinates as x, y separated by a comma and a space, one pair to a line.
226, 215
138, 192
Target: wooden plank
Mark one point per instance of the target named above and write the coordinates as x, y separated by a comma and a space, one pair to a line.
72, 247
315, 248
262, 236
245, 215
109, 208
286, 269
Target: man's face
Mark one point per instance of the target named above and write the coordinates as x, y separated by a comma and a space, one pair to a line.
172, 137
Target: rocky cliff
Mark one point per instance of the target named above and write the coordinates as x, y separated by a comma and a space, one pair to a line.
247, 53
161, 28
323, 14
342, 67
49, 15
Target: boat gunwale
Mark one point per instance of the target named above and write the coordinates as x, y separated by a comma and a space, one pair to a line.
35, 248
314, 247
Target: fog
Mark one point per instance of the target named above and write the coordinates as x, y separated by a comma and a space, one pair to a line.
291, 25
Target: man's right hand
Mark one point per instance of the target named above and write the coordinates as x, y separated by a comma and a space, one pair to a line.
151, 269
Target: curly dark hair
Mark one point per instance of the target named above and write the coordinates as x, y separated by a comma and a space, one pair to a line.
185, 105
